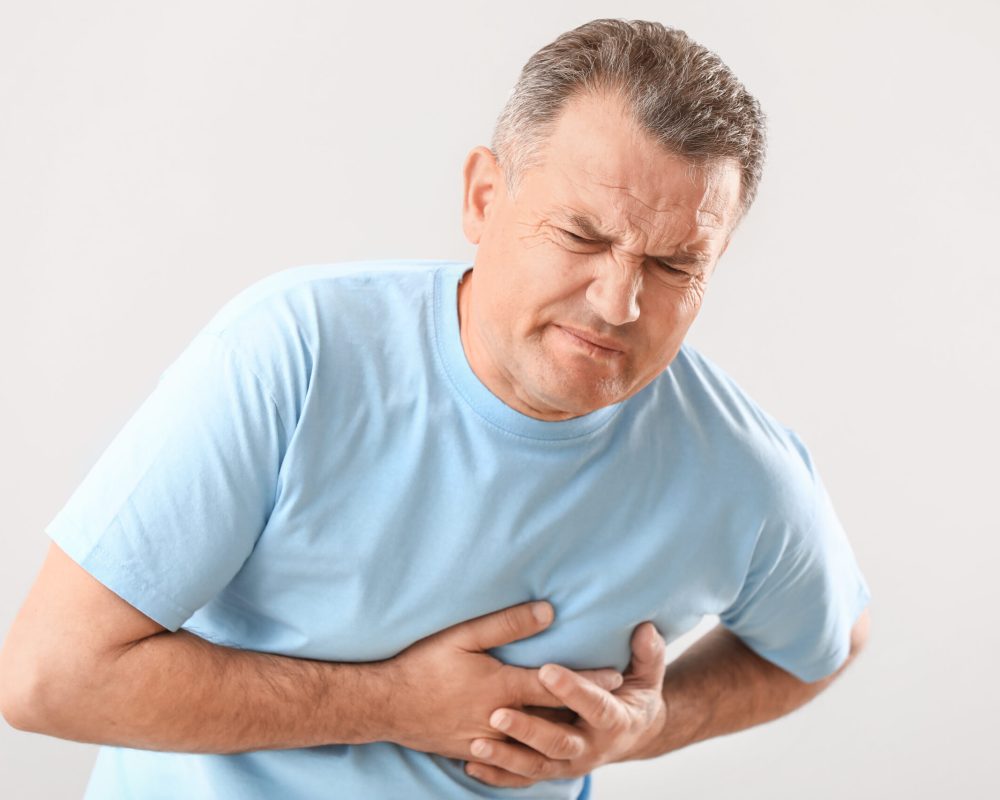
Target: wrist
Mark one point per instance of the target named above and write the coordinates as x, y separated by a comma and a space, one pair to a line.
357, 706
650, 744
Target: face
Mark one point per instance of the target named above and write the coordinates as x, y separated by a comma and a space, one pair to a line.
586, 283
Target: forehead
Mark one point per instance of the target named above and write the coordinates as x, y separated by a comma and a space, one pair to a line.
598, 163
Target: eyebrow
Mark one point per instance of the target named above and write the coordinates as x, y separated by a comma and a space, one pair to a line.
583, 223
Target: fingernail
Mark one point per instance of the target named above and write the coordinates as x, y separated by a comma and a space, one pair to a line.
500, 719
480, 748
542, 612
548, 675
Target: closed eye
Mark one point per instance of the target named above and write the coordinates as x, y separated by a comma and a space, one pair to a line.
669, 268
582, 240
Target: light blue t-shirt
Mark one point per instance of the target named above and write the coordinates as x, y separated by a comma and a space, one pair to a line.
320, 474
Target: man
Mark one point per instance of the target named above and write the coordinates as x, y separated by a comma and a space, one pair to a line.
415, 518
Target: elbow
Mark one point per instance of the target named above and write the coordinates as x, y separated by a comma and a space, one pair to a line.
17, 693
16, 715
20, 695
23, 693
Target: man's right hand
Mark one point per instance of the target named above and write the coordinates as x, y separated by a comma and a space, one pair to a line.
446, 686
81, 663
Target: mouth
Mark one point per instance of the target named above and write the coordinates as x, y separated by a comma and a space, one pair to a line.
596, 345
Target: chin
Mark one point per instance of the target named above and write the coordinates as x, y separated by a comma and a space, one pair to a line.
576, 386
591, 396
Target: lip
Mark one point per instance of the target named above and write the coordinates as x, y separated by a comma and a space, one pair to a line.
607, 345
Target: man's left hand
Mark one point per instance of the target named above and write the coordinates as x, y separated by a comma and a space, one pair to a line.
611, 726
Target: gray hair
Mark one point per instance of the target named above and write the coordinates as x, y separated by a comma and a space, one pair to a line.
678, 91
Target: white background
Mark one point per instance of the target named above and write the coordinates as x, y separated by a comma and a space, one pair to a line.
157, 158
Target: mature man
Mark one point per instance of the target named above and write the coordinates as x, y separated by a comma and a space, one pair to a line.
352, 484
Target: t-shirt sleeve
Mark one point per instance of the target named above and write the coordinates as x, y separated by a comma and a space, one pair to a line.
801, 596
174, 505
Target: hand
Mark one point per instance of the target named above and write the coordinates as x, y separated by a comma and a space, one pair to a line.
445, 686
612, 726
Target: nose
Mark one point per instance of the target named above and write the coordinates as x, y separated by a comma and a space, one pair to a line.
614, 291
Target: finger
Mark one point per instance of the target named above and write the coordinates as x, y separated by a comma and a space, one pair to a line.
503, 626
595, 705
649, 659
525, 689
528, 690
495, 776
609, 678
518, 759
562, 714
554, 740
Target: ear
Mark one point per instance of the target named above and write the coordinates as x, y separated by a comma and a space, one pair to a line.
483, 181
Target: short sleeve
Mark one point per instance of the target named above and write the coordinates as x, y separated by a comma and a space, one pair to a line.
175, 504
802, 595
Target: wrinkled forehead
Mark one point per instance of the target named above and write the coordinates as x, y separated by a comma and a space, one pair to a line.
603, 165
664, 198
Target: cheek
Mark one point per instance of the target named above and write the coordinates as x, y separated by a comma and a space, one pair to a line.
548, 280
687, 301
692, 301
668, 302
669, 314
516, 306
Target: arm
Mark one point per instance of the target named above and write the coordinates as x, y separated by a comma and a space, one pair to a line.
717, 686
80, 663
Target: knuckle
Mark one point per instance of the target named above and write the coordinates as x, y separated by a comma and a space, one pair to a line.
540, 767
512, 685
509, 623
565, 746
606, 710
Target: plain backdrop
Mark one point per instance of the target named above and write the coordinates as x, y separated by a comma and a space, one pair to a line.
156, 158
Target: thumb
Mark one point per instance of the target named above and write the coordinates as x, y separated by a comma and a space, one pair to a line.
503, 626
649, 656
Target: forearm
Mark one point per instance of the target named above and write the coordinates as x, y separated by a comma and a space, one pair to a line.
178, 692
719, 686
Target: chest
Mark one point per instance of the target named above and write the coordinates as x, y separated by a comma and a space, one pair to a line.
373, 546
